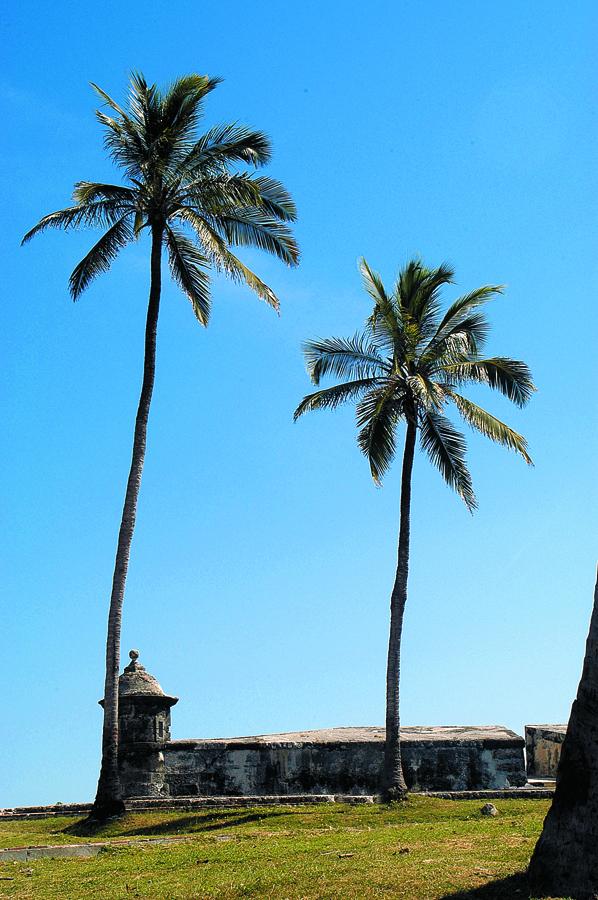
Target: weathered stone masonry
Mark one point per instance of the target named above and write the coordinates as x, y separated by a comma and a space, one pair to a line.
543, 745
335, 761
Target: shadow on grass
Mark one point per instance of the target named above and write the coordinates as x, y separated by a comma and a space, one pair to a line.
515, 887
209, 822
213, 821
87, 828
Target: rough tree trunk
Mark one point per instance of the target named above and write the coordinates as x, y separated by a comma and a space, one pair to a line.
108, 801
393, 782
565, 861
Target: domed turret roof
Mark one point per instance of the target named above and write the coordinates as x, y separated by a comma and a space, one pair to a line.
135, 681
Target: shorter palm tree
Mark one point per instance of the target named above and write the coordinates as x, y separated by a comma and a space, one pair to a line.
407, 366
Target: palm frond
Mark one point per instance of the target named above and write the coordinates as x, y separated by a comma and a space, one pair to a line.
428, 394
408, 283
249, 227
188, 266
212, 242
446, 448
222, 258
164, 123
460, 339
473, 330
224, 144
274, 198
343, 357
100, 213
140, 222
509, 376
144, 106
107, 99
377, 415
462, 318
331, 397
124, 137
182, 102
135, 138
177, 113
424, 301
238, 271
124, 144
385, 323
417, 297
490, 426
219, 193
373, 284
417, 286
101, 255
91, 191
464, 305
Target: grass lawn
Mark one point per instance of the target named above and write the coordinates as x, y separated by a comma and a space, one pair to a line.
426, 848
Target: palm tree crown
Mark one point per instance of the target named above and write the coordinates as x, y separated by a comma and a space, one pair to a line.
408, 363
187, 187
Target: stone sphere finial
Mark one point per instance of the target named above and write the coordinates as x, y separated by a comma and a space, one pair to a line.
134, 654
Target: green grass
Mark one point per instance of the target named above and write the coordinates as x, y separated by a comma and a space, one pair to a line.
425, 848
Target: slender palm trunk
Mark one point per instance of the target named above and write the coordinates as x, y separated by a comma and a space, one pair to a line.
565, 861
393, 782
108, 800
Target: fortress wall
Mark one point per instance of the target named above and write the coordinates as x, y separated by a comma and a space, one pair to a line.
341, 761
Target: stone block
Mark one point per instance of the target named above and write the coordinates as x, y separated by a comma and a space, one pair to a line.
543, 749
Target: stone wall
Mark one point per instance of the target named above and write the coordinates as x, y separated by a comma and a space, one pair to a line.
543, 749
335, 761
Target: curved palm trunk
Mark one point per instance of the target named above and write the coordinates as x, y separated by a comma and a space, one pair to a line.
393, 782
565, 861
108, 801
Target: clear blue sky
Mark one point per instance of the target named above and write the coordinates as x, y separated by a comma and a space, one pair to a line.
263, 556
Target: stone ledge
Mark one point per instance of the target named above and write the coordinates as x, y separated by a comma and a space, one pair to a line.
42, 812
145, 804
81, 851
525, 793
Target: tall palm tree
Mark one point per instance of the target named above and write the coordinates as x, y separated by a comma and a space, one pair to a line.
406, 366
186, 191
565, 860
